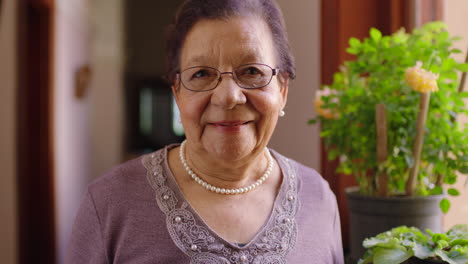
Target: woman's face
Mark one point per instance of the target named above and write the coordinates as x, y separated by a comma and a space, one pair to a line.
230, 122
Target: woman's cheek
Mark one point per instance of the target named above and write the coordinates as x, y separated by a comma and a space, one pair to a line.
267, 103
193, 107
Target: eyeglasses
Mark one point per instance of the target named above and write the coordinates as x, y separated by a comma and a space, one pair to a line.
249, 76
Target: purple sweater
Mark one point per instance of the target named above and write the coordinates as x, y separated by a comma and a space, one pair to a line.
136, 213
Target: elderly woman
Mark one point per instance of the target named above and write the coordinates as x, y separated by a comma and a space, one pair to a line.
221, 196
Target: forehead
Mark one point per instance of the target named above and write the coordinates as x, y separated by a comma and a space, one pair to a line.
233, 41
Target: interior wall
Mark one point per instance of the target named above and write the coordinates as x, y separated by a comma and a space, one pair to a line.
293, 137
106, 87
88, 134
72, 143
8, 76
455, 17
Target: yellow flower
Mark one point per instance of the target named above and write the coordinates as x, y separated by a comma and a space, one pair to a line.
318, 103
421, 80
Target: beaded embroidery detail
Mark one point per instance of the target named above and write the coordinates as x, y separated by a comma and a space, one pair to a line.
271, 245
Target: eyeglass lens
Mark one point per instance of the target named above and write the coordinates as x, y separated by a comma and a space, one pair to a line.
251, 76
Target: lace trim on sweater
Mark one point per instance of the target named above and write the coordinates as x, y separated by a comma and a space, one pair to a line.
192, 236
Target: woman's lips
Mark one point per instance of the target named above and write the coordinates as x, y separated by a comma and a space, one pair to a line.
230, 126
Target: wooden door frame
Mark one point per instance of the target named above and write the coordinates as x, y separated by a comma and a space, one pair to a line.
35, 170
342, 19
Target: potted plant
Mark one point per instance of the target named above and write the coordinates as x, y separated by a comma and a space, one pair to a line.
390, 118
409, 245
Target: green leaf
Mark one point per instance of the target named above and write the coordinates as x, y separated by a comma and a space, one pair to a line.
391, 242
325, 133
446, 258
442, 244
333, 154
450, 179
391, 256
451, 75
462, 67
444, 205
354, 42
460, 259
421, 251
437, 190
464, 170
453, 192
461, 241
312, 121
460, 229
373, 241
436, 237
375, 34
353, 51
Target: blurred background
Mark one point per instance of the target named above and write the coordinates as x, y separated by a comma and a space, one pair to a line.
81, 90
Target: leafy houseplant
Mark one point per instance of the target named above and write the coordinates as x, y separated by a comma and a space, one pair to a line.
409, 245
390, 114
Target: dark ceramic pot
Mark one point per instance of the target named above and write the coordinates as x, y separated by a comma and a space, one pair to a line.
370, 216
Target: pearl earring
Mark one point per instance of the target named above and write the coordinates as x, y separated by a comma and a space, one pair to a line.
282, 113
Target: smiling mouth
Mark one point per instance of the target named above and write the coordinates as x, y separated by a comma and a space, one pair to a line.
231, 123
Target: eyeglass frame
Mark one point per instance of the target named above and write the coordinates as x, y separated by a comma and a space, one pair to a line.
274, 72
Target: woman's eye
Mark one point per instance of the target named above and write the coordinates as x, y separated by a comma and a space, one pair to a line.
199, 74
252, 71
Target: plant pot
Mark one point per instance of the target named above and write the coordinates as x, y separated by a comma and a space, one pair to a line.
370, 216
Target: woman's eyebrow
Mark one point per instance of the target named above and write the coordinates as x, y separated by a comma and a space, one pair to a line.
203, 60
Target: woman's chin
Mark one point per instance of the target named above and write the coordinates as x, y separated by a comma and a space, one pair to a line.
230, 148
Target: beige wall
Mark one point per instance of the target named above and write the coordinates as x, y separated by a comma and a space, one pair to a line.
72, 140
7, 132
106, 89
455, 16
293, 137
88, 134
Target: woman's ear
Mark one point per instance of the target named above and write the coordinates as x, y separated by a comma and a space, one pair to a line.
284, 87
175, 87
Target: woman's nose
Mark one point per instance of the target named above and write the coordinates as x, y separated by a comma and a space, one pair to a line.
228, 94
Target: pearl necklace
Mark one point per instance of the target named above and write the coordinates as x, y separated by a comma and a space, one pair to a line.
218, 190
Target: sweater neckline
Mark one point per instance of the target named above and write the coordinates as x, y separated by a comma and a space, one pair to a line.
194, 237
180, 195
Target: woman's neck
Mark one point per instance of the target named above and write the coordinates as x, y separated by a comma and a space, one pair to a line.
227, 173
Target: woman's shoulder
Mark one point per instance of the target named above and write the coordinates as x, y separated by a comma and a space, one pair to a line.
309, 180
120, 174
127, 178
